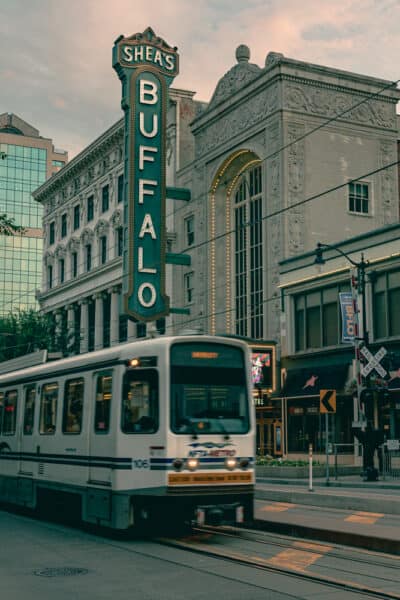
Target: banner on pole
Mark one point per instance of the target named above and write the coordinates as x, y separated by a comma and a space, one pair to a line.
347, 310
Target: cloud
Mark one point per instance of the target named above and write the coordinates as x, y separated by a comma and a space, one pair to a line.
329, 32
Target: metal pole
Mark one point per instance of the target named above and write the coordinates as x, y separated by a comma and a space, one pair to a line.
326, 446
310, 466
336, 465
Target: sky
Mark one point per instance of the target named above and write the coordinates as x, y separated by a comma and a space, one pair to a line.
55, 56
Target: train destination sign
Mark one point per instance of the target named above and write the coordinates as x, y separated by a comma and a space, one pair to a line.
146, 66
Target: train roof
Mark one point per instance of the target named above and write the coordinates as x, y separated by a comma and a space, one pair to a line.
107, 356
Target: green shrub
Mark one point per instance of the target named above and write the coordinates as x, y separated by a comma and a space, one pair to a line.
268, 461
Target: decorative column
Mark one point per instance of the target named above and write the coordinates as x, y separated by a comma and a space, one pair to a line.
84, 328
98, 322
70, 329
131, 330
58, 329
114, 316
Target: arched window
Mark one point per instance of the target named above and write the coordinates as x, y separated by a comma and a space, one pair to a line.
248, 257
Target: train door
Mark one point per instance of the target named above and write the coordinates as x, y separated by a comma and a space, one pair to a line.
26, 431
47, 446
101, 439
75, 412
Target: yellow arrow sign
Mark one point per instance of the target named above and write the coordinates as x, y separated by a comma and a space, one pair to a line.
327, 401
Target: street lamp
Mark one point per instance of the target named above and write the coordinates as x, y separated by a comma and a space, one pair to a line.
360, 266
369, 438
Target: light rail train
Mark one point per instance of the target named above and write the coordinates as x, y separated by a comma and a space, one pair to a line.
155, 431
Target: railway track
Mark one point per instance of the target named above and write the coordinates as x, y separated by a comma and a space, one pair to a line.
217, 543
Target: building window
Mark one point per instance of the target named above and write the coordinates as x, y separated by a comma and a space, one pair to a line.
188, 286
50, 276
52, 235
189, 229
77, 220
105, 198
74, 264
248, 265
359, 198
120, 188
386, 302
120, 240
90, 208
141, 330
103, 249
318, 318
88, 257
61, 270
58, 163
64, 225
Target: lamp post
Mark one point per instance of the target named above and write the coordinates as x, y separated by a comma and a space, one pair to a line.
366, 435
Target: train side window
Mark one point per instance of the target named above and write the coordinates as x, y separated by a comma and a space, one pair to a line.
1, 410
140, 402
73, 406
10, 412
48, 408
29, 410
103, 403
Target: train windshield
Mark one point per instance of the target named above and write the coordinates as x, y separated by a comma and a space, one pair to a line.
208, 389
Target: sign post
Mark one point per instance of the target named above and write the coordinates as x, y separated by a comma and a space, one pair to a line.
327, 406
146, 66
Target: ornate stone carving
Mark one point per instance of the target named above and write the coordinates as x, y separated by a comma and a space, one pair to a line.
73, 244
59, 251
295, 186
116, 218
237, 77
387, 183
240, 119
101, 227
87, 236
48, 258
328, 103
272, 59
274, 224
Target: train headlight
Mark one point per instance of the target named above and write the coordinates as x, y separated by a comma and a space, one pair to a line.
192, 464
177, 464
133, 362
230, 463
244, 463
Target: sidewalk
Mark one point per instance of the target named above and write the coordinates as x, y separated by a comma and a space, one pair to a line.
348, 511
348, 492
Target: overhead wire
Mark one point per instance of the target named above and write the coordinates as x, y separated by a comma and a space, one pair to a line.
367, 98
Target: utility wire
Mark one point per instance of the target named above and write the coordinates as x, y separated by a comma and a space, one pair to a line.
267, 157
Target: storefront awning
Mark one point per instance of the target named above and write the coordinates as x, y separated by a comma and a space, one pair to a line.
309, 381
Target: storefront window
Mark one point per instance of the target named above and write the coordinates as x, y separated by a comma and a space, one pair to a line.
386, 302
317, 318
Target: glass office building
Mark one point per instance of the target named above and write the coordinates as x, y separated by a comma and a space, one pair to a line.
26, 161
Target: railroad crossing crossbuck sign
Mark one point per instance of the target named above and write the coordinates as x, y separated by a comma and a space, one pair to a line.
327, 401
373, 362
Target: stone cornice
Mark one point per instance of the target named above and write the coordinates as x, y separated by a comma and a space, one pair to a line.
83, 159
67, 289
281, 71
344, 89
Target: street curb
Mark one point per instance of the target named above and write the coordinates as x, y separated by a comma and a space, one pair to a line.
387, 505
334, 537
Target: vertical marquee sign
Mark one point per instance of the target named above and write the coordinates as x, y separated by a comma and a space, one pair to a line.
146, 66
